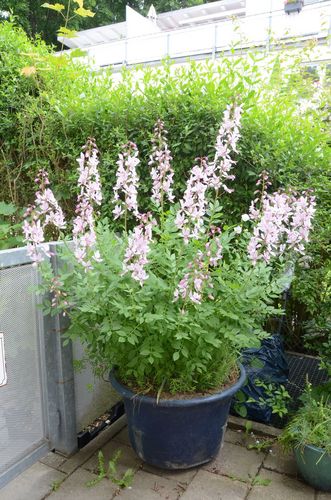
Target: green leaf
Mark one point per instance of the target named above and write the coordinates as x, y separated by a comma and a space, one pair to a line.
7, 208
175, 356
56, 6
78, 53
66, 33
84, 12
260, 481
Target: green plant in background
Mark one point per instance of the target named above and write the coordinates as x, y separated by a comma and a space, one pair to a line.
110, 471
10, 226
276, 397
311, 425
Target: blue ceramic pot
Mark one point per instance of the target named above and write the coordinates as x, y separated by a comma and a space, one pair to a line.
179, 433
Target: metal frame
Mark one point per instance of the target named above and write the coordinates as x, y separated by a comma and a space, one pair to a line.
57, 379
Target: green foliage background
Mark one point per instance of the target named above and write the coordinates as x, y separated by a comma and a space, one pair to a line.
46, 118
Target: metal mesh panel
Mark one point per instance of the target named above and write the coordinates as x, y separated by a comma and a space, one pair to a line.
21, 415
93, 396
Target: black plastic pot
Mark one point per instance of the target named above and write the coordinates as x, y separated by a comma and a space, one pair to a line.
177, 434
293, 7
314, 466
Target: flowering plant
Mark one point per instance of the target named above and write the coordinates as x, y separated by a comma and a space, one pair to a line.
172, 302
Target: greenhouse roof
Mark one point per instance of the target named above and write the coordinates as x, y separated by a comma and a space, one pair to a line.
192, 16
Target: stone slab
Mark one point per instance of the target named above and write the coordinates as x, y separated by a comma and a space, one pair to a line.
236, 462
147, 486
184, 477
123, 437
234, 436
280, 462
208, 486
281, 487
53, 460
33, 484
75, 487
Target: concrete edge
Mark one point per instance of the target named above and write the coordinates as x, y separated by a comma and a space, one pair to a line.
24, 464
256, 427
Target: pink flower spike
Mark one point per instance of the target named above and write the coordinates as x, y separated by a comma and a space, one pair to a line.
84, 236
160, 161
135, 257
45, 211
127, 180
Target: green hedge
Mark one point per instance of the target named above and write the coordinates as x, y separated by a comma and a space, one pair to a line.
52, 112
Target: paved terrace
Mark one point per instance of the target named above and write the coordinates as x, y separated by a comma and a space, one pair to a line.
238, 473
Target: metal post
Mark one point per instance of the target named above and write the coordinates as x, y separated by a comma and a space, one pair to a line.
215, 42
59, 381
168, 44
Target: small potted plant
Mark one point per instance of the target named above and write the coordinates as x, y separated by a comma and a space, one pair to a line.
308, 434
169, 302
293, 6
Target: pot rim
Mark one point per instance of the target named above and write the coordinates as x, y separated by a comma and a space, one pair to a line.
311, 447
227, 393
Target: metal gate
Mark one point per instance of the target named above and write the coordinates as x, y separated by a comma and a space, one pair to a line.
38, 408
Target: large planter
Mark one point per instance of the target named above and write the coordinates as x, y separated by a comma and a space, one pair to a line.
293, 6
177, 434
314, 466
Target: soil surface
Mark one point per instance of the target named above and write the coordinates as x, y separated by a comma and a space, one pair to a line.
165, 395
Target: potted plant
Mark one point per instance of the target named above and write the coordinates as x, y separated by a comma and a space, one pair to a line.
308, 434
169, 302
293, 6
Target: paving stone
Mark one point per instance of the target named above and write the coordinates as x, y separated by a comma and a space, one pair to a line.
236, 462
280, 462
123, 437
53, 460
208, 486
33, 484
127, 460
85, 453
183, 477
281, 487
146, 486
75, 487
234, 436
323, 496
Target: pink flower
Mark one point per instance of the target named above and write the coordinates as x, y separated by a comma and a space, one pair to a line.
125, 189
45, 211
226, 143
162, 172
84, 236
205, 175
283, 223
135, 257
